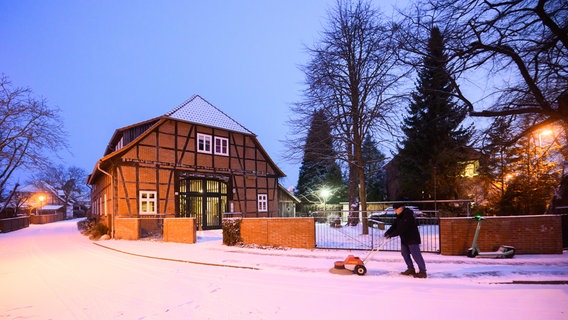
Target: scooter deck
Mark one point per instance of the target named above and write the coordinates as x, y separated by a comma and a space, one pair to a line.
502, 252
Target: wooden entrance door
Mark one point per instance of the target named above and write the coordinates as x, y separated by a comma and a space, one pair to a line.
203, 199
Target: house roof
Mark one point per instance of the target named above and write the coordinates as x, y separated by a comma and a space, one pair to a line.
198, 110
51, 207
30, 188
195, 110
56, 193
289, 193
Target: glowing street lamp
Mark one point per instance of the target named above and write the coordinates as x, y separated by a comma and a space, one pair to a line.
325, 193
545, 137
41, 199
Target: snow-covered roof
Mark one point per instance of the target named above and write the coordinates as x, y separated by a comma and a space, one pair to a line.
51, 207
29, 188
198, 110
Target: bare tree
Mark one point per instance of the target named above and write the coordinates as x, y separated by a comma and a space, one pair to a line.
514, 51
29, 129
68, 182
352, 76
509, 59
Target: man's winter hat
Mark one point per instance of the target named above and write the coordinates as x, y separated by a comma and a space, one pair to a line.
397, 205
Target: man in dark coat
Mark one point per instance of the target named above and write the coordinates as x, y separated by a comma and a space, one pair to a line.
406, 228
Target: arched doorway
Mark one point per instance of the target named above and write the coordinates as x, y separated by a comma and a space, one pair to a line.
203, 199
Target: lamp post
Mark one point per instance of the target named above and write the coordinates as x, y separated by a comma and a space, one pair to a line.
41, 199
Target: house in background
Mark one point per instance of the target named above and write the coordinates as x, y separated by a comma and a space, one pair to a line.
287, 202
194, 161
31, 200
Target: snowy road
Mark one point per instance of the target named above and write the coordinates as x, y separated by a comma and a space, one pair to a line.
53, 272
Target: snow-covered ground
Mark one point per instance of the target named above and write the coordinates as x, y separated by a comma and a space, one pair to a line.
53, 272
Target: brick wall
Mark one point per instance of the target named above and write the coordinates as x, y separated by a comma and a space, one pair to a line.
12, 224
280, 232
127, 228
46, 218
180, 230
528, 234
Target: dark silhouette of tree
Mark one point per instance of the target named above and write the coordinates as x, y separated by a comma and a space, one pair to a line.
68, 183
523, 175
29, 131
319, 170
374, 171
529, 191
509, 64
432, 155
352, 76
512, 52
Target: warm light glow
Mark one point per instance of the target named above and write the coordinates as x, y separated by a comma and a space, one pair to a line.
41, 198
325, 193
545, 137
470, 169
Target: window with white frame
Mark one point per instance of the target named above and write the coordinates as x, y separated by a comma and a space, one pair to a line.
262, 202
221, 146
95, 207
101, 206
203, 143
148, 202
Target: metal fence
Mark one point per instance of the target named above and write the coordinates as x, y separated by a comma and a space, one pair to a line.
344, 230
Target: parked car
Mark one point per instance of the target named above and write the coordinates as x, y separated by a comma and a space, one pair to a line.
417, 212
374, 221
382, 217
388, 215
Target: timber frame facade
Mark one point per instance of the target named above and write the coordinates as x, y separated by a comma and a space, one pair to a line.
194, 161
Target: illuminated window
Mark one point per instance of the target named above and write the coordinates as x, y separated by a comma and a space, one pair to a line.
470, 169
148, 202
203, 143
222, 146
262, 203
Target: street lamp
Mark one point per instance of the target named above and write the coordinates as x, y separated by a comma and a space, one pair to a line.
325, 193
545, 138
41, 199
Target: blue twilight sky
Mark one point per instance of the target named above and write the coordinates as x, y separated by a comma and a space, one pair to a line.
107, 64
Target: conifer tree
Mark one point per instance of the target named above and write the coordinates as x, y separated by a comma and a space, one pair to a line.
374, 170
353, 73
319, 170
431, 156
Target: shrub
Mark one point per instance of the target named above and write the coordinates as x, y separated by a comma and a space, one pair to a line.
92, 228
85, 225
98, 230
231, 231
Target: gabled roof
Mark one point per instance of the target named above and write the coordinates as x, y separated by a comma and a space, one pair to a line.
52, 207
194, 110
289, 193
198, 110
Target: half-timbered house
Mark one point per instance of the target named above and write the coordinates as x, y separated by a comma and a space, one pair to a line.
194, 161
